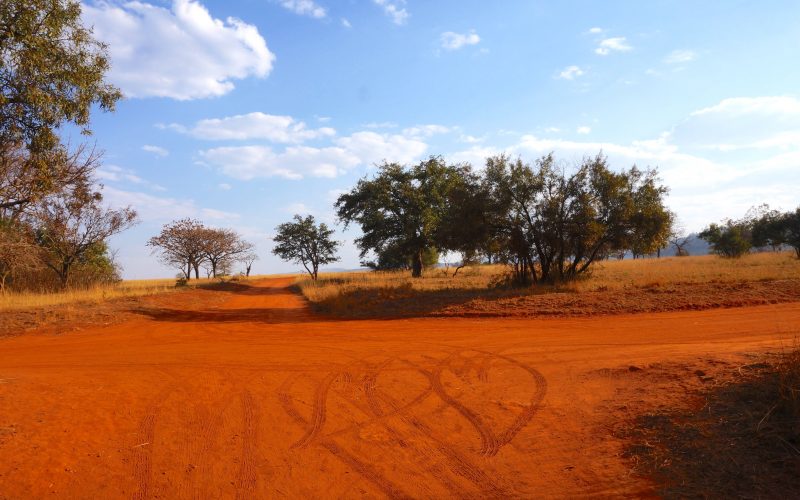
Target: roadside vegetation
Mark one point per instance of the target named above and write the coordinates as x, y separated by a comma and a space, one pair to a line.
772, 275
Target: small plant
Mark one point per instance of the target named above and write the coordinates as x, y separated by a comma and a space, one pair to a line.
181, 282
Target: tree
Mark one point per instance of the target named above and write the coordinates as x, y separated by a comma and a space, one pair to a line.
23, 182
222, 247
401, 211
561, 224
181, 244
17, 251
73, 226
730, 239
304, 242
52, 72
248, 259
768, 228
791, 230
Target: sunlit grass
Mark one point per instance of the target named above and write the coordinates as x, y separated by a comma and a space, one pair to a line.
606, 275
128, 288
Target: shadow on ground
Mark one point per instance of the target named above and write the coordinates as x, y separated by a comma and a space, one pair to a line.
743, 443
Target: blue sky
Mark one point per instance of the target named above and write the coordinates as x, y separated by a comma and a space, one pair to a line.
242, 113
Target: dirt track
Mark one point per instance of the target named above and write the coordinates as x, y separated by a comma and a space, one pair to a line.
258, 398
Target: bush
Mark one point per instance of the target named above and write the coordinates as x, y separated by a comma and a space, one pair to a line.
731, 239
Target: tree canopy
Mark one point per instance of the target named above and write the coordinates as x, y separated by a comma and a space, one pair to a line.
51, 72
402, 211
302, 241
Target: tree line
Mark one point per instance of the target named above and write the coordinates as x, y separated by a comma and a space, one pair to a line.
761, 227
548, 221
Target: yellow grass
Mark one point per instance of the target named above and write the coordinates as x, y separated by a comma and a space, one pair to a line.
609, 275
130, 288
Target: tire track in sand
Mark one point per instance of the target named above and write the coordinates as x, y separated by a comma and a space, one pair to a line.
367, 471
143, 450
247, 475
319, 413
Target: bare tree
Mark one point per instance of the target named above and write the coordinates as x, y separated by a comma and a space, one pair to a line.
26, 179
222, 247
17, 252
72, 225
181, 244
248, 259
679, 239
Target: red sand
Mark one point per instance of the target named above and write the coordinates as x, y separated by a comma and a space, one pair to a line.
258, 398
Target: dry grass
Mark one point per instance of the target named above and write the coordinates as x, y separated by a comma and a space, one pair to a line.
343, 292
130, 288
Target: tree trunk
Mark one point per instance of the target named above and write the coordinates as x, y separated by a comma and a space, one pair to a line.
196, 270
416, 265
247, 271
188, 271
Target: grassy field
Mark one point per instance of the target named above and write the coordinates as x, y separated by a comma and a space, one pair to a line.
347, 293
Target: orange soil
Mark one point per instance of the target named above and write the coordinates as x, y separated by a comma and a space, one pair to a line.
260, 398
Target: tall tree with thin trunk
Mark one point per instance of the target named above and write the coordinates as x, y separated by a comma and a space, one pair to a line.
304, 242
223, 247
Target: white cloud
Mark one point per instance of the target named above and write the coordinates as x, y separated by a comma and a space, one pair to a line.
156, 150
304, 8
224, 186
371, 147
552, 129
161, 209
584, 130
680, 56
454, 41
595, 31
346, 23
615, 44
570, 73
181, 53
426, 130
275, 128
743, 123
296, 162
471, 139
394, 9
115, 173
297, 208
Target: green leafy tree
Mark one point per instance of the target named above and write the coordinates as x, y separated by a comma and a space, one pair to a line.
769, 228
304, 242
791, 230
401, 210
554, 226
730, 239
51, 72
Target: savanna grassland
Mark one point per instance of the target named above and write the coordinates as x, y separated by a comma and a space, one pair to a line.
614, 286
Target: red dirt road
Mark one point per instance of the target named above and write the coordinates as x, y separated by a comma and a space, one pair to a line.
258, 398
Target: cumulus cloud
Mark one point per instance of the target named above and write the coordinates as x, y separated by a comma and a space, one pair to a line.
394, 9
346, 23
454, 41
570, 73
297, 162
156, 150
680, 56
584, 130
595, 31
257, 125
181, 53
615, 44
304, 8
